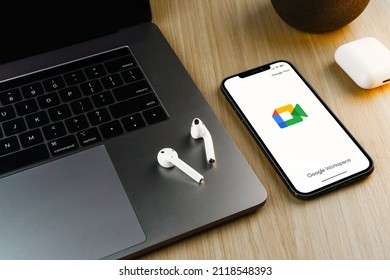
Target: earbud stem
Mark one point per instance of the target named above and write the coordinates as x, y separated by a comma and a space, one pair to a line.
209, 147
188, 170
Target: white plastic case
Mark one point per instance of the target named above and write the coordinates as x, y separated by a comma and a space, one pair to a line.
366, 61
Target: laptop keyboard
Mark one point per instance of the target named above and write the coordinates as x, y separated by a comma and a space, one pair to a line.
62, 109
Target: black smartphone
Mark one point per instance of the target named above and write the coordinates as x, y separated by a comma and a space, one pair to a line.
307, 144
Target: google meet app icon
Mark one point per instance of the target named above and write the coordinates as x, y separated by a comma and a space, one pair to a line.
288, 115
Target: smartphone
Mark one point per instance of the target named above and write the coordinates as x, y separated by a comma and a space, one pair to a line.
310, 148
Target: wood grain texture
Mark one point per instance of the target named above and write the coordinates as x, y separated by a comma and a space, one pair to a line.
215, 39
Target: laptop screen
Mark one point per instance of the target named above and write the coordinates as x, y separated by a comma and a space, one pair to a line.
33, 27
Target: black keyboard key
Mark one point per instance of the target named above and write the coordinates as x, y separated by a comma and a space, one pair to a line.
14, 126
81, 106
131, 90
112, 81
63, 145
37, 119
111, 129
54, 130
133, 105
10, 96
75, 77
132, 75
76, 123
32, 90
9, 145
70, 94
155, 115
99, 116
60, 112
23, 158
133, 122
48, 100
96, 71
54, 83
7, 113
89, 136
91, 87
31, 138
120, 64
26, 107
103, 99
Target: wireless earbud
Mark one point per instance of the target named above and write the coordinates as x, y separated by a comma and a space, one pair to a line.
168, 158
199, 130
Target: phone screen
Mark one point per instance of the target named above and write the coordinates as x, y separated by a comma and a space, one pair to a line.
310, 147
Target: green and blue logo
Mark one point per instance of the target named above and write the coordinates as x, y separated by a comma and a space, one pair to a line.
295, 115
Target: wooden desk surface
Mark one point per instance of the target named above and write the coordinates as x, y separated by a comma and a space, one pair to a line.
215, 39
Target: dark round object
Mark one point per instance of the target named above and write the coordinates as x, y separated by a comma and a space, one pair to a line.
318, 16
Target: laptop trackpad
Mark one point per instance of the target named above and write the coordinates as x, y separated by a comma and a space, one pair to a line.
73, 208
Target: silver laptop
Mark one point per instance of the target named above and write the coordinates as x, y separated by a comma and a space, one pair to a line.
87, 100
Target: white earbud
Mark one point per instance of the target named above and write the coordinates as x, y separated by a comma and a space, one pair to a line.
168, 158
199, 130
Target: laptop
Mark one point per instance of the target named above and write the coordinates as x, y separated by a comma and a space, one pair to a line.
88, 98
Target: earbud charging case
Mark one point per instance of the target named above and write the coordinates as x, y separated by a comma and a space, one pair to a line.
366, 61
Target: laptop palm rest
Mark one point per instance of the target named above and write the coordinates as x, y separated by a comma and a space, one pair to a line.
72, 208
